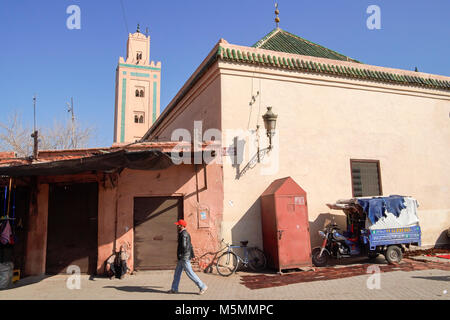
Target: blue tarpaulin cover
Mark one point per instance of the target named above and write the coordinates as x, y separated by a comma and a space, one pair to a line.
376, 207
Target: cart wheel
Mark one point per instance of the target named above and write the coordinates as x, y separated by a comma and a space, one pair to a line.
373, 255
319, 261
256, 259
393, 254
227, 264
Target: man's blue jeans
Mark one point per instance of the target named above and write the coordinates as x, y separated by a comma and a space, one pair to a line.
186, 266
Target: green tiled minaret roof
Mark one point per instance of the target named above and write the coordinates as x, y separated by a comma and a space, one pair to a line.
283, 41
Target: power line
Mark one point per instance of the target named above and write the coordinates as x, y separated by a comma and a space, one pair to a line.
124, 16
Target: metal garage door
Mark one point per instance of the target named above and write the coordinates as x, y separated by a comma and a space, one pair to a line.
72, 228
155, 234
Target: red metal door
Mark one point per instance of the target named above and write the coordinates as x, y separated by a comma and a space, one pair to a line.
293, 231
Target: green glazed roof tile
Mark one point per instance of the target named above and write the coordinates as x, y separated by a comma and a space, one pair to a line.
320, 67
283, 41
290, 63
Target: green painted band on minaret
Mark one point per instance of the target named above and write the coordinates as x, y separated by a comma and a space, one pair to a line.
140, 74
154, 101
139, 67
122, 126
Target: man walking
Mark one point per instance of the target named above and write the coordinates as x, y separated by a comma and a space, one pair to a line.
185, 253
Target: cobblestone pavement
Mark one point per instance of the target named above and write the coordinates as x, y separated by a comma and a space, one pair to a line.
408, 284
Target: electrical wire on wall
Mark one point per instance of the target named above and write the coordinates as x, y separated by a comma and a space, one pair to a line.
253, 99
259, 104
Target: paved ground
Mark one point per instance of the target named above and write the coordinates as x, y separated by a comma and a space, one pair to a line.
416, 284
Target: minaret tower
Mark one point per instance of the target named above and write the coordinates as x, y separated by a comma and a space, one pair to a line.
138, 84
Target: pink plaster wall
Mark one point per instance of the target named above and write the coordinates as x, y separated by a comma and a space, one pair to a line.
178, 180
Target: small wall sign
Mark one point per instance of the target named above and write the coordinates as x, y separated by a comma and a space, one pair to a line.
203, 216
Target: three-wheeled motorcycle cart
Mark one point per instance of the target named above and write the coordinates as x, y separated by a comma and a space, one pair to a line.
375, 225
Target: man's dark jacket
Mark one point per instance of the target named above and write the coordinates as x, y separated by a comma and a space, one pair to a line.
185, 250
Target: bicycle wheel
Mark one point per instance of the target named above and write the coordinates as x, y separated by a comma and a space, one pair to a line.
227, 264
256, 259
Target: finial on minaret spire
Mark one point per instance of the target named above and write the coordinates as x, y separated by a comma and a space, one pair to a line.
138, 29
277, 12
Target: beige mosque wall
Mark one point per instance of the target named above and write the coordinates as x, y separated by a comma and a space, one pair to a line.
323, 122
202, 103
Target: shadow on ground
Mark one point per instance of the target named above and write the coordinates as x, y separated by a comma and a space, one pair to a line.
144, 289
29, 280
437, 278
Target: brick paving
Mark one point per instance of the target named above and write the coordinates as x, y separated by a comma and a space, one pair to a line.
411, 280
330, 273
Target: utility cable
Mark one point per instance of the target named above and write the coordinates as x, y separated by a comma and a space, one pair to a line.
124, 16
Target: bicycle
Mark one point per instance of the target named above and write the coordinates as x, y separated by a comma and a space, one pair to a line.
228, 262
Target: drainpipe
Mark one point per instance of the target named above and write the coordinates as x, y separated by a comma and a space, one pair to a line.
116, 217
196, 183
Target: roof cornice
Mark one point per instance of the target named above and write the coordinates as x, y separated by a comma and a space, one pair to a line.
348, 69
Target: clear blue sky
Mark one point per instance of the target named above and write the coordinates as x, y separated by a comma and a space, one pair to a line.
40, 55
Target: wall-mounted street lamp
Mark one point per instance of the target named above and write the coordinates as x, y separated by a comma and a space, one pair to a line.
270, 122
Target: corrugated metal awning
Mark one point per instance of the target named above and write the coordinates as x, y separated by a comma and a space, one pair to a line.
138, 160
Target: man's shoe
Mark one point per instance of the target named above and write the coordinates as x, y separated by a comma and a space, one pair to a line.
172, 291
203, 290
